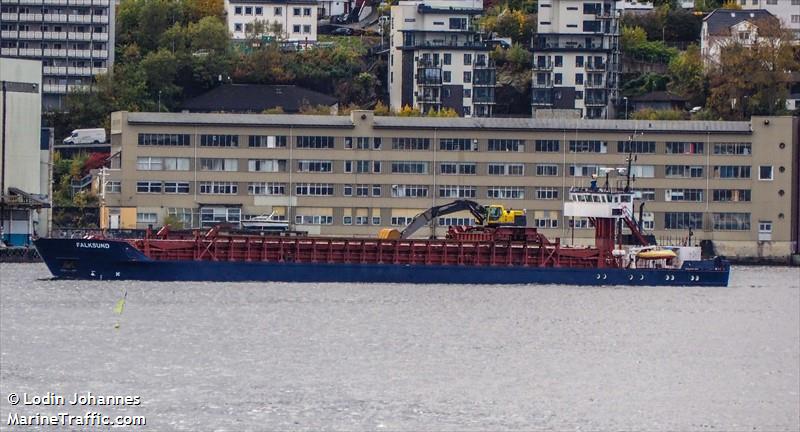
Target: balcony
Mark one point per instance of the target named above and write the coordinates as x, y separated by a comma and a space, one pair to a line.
54, 70
543, 84
37, 35
26, 2
543, 67
597, 84
56, 18
595, 102
52, 52
487, 64
8, 34
82, 53
79, 71
99, 54
30, 52
55, 2
8, 51
81, 19
36, 17
591, 66
100, 37
63, 88
100, 19
55, 35
80, 2
79, 36
8, 16
448, 44
99, 2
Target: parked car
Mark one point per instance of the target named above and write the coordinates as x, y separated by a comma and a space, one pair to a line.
86, 136
343, 31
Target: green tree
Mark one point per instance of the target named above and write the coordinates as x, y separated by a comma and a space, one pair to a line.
686, 76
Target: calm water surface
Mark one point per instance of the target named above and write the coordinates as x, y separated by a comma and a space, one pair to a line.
277, 356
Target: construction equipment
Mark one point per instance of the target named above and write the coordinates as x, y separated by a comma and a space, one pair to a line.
493, 215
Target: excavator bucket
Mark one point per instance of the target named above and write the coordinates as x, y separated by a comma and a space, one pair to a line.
389, 234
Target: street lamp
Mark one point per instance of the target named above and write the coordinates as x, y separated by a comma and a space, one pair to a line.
626, 107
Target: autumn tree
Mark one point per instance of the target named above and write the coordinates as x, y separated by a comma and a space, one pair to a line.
752, 79
686, 76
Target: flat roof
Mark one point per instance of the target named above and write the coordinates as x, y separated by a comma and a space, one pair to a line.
380, 122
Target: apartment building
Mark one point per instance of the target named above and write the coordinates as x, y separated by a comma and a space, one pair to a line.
576, 57
288, 20
735, 183
788, 11
74, 39
439, 59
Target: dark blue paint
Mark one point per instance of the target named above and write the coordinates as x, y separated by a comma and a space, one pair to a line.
122, 261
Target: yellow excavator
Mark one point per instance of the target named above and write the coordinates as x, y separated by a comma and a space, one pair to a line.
492, 215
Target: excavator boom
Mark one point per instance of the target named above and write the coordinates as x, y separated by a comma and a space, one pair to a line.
422, 219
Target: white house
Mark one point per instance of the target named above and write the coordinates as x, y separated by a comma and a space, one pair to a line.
724, 27
294, 20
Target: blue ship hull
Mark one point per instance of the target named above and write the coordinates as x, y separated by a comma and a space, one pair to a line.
118, 260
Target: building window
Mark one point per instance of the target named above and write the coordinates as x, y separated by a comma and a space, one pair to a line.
636, 147
467, 60
409, 167
313, 189
467, 77
259, 10
579, 61
683, 220
548, 170
409, 191
296, 11
314, 166
731, 221
547, 146
453, 191
219, 140
219, 188
266, 141
587, 146
296, 28
163, 139
765, 172
507, 145
149, 218
411, 144
113, 186
175, 164
217, 215
546, 193
448, 58
505, 192
731, 195
149, 164
266, 188
466, 110
266, 165
306, 11
578, 79
376, 190
237, 10
455, 221
467, 93
176, 187
278, 11
237, 27
456, 168
502, 169
684, 171
559, 61
689, 195
306, 29
446, 78
248, 10
148, 187
219, 164
314, 142
679, 147
732, 171
731, 148
457, 144
347, 220
313, 220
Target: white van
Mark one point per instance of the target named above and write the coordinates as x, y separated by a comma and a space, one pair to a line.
86, 136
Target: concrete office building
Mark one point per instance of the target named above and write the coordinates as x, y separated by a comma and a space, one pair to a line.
735, 183
296, 20
439, 59
22, 183
576, 57
74, 39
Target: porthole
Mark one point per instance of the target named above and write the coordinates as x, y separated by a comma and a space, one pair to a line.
782, 145
780, 216
781, 192
781, 169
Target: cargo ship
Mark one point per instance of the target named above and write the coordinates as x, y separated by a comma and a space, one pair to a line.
499, 249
